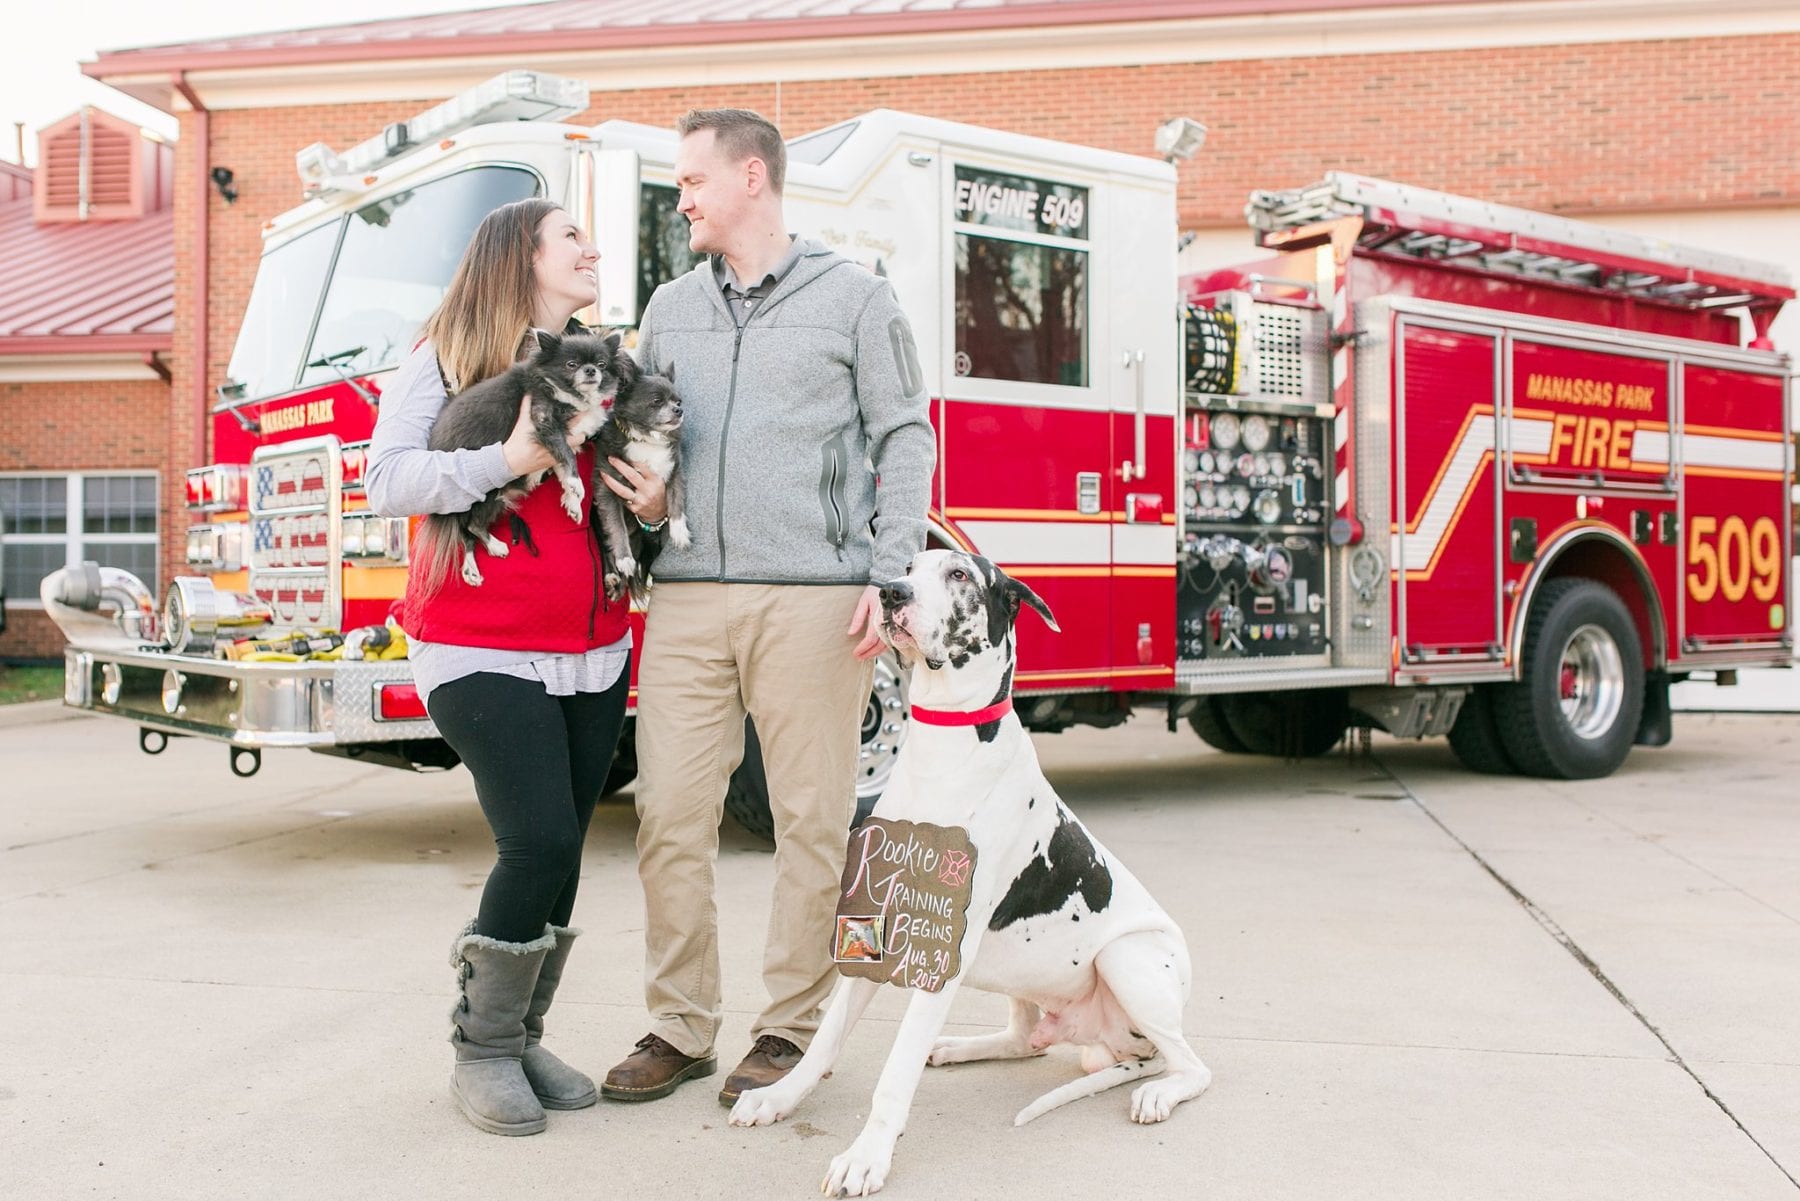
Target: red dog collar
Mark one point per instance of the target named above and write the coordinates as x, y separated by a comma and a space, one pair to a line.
960, 717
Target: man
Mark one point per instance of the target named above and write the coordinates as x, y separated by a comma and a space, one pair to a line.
797, 371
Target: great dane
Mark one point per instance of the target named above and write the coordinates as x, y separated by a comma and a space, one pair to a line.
1055, 921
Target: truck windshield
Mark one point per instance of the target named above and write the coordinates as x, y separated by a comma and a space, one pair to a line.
282, 303
397, 258
393, 260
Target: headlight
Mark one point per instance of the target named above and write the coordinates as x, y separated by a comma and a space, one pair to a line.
352, 544
374, 536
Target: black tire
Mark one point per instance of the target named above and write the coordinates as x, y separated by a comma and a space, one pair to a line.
624, 765
1208, 721
747, 796
1476, 738
1291, 725
1574, 712
883, 731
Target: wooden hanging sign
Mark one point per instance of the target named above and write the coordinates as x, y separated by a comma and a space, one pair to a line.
903, 904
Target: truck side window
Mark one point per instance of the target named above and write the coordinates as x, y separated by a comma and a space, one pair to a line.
1021, 277
1021, 311
663, 250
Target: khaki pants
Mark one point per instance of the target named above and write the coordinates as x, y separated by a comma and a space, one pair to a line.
711, 651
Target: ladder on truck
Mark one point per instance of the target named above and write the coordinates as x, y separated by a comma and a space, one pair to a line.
1418, 223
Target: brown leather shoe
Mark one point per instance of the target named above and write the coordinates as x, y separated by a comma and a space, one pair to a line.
769, 1060
653, 1070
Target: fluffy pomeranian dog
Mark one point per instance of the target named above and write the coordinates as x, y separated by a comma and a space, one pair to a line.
572, 380
644, 428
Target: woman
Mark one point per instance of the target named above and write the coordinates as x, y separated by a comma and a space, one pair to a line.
525, 675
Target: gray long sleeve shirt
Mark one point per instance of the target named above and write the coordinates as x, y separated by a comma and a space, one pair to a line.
791, 415
406, 478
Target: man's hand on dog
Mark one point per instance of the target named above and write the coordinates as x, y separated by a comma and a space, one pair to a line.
642, 491
523, 452
868, 621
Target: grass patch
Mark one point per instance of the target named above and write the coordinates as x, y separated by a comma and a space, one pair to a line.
30, 684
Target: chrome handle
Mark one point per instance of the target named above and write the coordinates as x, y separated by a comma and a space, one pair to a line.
1133, 468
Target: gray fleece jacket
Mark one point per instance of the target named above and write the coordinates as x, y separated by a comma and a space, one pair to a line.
783, 419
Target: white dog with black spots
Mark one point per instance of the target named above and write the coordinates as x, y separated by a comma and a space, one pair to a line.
1055, 922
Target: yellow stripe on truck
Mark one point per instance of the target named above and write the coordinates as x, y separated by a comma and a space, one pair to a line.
374, 583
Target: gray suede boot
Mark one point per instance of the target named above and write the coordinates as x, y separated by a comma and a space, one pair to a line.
488, 1030
557, 1085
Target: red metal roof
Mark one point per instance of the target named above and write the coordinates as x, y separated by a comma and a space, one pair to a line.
566, 25
86, 287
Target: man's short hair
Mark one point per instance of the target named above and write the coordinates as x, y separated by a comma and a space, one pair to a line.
741, 134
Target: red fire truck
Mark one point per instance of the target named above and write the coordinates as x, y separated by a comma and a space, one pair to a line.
1429, 464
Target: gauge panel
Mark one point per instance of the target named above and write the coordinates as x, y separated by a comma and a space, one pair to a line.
1252, 565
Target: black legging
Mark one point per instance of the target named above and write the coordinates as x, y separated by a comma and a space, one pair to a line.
539, 762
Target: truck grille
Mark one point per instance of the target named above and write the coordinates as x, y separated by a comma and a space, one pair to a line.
296, 502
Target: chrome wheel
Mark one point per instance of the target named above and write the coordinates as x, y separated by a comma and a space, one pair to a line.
1575, 710
883, 727
1591, 682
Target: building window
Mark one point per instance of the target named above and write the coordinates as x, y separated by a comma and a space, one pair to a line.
52, 521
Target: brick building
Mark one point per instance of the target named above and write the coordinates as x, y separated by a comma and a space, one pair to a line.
86, 325
1655, 115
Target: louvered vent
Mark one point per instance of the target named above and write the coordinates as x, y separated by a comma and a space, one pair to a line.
1280, 355
95, 167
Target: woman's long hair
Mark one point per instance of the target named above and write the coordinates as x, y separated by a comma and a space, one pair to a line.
476, 331
477, 328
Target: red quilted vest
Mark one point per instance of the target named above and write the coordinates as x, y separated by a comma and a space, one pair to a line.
545, 596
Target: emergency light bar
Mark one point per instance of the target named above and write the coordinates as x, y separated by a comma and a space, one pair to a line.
1420, 223
511, 96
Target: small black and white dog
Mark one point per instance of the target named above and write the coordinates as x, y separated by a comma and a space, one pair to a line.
572, 380
644, 429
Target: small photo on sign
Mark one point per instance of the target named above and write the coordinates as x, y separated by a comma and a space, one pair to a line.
858, 940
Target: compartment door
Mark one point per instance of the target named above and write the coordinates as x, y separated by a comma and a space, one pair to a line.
1446, 533
1027, 458
1735, 534
1138, 274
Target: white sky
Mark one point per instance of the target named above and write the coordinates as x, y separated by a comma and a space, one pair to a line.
46, 40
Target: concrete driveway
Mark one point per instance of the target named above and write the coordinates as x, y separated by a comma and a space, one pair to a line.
1411, 982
